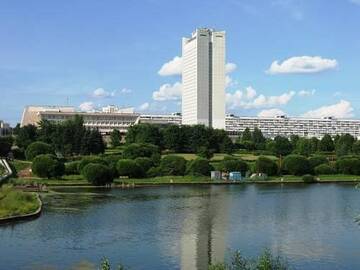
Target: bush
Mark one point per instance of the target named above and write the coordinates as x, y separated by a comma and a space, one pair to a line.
173, 165
144, 163
297, 165
153, 172
199, 166
18, 153
136, 150
98, 174
129, 168
205, 152
233, 165
316, 161
266, 165
90, 159
308, 178
112, 160
324, 169
348, 165
72, 167
47, 166
38, 148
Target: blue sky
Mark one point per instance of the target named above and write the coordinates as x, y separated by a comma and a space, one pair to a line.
110, 52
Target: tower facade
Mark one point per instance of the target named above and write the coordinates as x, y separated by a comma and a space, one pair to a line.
203, 78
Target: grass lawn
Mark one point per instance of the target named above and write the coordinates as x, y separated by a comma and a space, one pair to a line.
66, 180
20, 165
14, 202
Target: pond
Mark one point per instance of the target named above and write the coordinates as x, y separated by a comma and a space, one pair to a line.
188, 227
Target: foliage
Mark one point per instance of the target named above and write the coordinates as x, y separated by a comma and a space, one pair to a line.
25, 136
115, 138
258, 139
233, 165
326, 144
199, 166
14, 202
280, 146
136, 150
317, 160
5, 145
38, 148
308, 178
144, 133
348, 165
144, 162
129, 168
344, 145
266, 165
98, 174
92, 143
266, 261
324, 169
172, 165
296, 165
90, 159
205, 152
72, 167
47, 166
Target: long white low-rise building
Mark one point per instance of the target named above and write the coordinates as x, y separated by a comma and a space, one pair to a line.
112, 117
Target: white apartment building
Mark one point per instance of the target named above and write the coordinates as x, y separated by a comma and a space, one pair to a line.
286, 126
203, 78
161, 119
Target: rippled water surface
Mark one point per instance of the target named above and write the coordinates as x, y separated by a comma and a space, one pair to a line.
313, 226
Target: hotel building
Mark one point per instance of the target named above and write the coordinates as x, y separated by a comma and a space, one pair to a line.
203, 78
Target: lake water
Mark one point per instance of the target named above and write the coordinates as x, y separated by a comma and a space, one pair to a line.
185, 227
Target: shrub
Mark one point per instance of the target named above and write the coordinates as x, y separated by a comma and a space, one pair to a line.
173, 165
144, 163
233, 165
308, 178
90, 159
348, 165
296, 165
18, 153
266, 165
47, 166
316, 161
128, 167
112, 160
324, 169
136, 150
38, 148
98, 174
153, 172
205, 152
72, 167
199, 166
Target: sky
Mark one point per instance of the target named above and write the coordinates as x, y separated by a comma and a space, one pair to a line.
293, 57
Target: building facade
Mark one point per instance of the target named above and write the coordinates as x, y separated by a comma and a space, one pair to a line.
203, 78
5, 129
287, 126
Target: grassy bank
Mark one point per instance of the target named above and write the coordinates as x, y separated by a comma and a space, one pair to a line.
14, 202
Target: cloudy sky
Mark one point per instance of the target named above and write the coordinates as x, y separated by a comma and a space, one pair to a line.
298, 57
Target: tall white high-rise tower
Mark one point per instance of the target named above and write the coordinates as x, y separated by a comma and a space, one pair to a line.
203, 78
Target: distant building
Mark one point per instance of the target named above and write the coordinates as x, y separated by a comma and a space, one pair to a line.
287, 126
203, 78
5, 128
160, 119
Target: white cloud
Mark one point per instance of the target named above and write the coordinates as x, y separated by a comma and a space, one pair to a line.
271, 113
173, 67
144, 106
306, 93
230, 67
302, 64
87, 106
125, 91
228, 81
101, 93
342, 109
168, 92
249, 99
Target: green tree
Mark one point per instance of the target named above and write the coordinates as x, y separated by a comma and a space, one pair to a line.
326, 144
173, 165
38, 148
317, 160
144, 133
5, 145
129, 168
293, 140
233, 165
258, 139
356, 148
297, 165
266, 165
135, 150
144, 162
25, 136
115, 138
344, 145
90, 159
47, 166
324, 169
205, 152
281, 146
199, 166
303, 147
98, 174
173, 138
246, 135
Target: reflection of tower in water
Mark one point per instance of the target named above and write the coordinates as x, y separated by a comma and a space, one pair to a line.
204, 230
